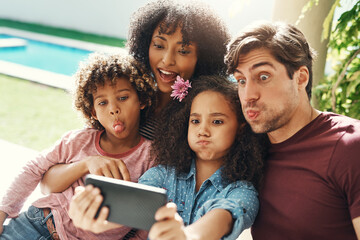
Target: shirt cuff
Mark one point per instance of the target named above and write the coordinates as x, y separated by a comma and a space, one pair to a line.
243, 217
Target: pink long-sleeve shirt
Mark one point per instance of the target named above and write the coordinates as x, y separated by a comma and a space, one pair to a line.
72, 147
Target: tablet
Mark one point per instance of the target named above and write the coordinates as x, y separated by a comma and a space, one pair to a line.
131, 204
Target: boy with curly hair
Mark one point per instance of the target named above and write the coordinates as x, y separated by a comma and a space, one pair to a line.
111, 91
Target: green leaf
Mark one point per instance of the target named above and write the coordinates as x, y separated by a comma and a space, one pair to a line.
354, 83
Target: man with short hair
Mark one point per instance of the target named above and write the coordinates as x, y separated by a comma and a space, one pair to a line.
311, 188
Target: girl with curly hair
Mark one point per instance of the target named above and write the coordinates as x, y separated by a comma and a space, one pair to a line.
111, 91
209, 161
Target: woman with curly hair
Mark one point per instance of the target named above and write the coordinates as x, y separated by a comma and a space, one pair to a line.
208, 160
176, 38
111, 91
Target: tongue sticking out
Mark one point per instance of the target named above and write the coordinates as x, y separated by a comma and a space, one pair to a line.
119, 128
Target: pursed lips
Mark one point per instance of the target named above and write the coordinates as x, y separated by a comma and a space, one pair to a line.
203, 142
252, 114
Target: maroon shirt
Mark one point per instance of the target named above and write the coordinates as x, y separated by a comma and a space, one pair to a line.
312, 183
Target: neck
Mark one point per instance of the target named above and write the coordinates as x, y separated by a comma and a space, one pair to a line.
302, 117
204, 170
114, 145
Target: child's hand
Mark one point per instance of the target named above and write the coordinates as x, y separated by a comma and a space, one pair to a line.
169, 226
3, 217
108, 167
83, 207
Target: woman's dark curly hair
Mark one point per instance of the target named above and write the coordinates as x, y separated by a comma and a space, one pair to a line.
100, 68
198, 24
245, 159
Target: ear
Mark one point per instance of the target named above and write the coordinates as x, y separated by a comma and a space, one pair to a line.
302, 77
93, 114
142, 106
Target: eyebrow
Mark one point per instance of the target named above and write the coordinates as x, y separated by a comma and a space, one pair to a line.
120, 90
180, 42
215, 114
257, 65
262, 64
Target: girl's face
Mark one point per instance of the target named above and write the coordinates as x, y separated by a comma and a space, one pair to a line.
169, 57
213, 126
117, 108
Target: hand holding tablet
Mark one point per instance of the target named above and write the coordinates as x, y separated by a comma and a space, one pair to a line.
130, 204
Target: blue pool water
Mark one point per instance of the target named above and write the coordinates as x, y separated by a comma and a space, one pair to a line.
45, 56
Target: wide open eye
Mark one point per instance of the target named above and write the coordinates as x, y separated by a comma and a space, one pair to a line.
241, 81
264, 77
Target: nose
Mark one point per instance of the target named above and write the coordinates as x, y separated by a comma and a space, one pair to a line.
114, 109
203, 130
250, 92
168, 58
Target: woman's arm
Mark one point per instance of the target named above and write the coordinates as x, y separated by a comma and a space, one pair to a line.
59, 177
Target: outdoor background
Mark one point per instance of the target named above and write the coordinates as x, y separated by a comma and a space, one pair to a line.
33, 116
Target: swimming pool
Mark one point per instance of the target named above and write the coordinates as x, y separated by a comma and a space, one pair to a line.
43, 55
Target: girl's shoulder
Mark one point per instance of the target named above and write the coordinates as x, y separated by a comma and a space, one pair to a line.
241, 185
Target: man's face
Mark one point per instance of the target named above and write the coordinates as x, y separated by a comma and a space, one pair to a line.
269, 98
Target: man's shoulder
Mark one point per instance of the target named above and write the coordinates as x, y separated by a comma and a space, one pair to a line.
342, 122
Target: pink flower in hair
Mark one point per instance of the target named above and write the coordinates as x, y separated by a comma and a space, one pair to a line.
180, 88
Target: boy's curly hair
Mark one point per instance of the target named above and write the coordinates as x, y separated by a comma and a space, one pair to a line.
198, 23
100, 68
245, 159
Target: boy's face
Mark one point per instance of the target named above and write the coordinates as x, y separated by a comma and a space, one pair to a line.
213, 127
269, 98
117, 108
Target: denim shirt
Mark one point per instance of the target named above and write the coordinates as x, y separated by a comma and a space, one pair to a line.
239, 198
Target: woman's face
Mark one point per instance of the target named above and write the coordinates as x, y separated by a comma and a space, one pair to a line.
169, 57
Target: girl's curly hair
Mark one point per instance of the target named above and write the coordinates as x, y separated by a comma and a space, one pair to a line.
245, 159
100, 68
198, 23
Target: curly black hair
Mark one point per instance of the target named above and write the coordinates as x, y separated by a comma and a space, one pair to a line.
198, 23
102, 67
245, 159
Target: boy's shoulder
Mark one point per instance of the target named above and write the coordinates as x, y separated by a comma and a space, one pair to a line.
80, 134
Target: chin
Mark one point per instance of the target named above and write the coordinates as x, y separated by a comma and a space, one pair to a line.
256, 128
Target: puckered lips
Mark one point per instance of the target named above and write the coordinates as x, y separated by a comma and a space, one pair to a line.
167, 76
252, 114
203, 142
